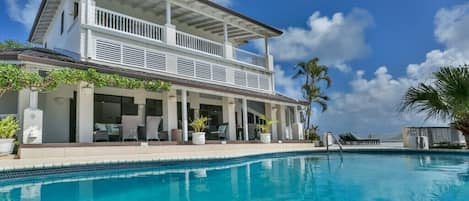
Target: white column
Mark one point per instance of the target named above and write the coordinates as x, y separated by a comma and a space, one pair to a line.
89, 17
184, 114
85, 112
168, 11
245, 119
282, 122
140, 99
170, 29
23, 103
271, 113
33, 121
225, 32
194, 100
298, 131
229, 117
269, 59
228, 45
170, 117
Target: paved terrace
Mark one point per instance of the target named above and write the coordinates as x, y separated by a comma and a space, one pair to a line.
46, 157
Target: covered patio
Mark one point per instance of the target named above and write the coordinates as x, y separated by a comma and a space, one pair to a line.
84, 114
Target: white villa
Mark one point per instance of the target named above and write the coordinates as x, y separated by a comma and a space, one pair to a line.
193, 44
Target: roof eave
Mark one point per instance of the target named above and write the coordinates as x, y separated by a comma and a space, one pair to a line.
36, 20
228, 10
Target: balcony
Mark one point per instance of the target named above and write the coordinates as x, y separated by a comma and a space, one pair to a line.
122, 23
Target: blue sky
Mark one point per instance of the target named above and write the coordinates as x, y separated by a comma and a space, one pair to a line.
376, 50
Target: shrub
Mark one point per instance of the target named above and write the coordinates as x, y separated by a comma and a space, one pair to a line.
8, 127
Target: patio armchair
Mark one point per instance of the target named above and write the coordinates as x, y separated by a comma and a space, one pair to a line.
152, 125
100, 133
129, 127
220, 134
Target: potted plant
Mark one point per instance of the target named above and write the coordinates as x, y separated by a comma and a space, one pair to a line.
8, 129
311, 134
265, 129
199, 125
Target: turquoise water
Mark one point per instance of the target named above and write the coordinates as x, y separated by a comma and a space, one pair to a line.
301, 177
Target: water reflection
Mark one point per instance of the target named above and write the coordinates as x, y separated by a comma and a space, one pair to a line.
318, 177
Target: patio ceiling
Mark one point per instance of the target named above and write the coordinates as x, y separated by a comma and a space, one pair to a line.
206, 17
202, 15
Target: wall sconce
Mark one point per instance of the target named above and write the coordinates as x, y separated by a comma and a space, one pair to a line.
59, 100
172, 97
231, 103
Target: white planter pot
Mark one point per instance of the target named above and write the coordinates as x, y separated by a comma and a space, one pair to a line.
198, 138
6, 146
265, 138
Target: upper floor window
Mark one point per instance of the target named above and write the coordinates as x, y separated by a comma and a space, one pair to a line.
75, 10
62, 16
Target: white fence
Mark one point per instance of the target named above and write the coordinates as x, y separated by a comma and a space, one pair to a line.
123, 23
199, 44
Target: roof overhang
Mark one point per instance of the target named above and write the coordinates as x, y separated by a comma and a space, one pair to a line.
204, 15
43, 19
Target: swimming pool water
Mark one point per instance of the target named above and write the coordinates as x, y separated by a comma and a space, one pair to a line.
315, 176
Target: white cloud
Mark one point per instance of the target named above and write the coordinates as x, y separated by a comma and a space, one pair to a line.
225, 3
285, 83
371, 105
336, 40
23, 13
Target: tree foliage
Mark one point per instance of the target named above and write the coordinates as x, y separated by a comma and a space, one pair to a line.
445, 97
13, 78
313, 73
11, 44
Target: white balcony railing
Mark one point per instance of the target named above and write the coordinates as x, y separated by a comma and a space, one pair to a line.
123, 23
248, 57
199, 44
126, 24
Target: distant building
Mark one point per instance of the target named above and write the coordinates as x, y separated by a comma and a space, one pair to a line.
437, 136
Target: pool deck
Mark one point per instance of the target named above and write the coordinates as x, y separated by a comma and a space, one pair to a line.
52, 157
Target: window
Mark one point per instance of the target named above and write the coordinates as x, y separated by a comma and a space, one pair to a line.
62, 16
109, 109
154, 107
75, 10
250, 118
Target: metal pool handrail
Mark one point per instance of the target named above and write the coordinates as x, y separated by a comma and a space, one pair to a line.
338, 143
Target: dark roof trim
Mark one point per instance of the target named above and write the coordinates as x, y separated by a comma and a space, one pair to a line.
228, 10
49, 57
36, 19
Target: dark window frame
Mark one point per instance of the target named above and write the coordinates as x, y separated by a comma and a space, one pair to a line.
62, 22
76, 10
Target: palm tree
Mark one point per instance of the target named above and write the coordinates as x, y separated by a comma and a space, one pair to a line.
313, 73
446, 97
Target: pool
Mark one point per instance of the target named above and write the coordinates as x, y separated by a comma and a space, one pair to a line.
300, 176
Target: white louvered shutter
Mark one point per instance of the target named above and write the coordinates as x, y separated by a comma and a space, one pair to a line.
108, 51
202, 70
156, 61
240, 78
219, 73
133, 56
185, 67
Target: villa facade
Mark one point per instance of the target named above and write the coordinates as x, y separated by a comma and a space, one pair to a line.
193, 44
